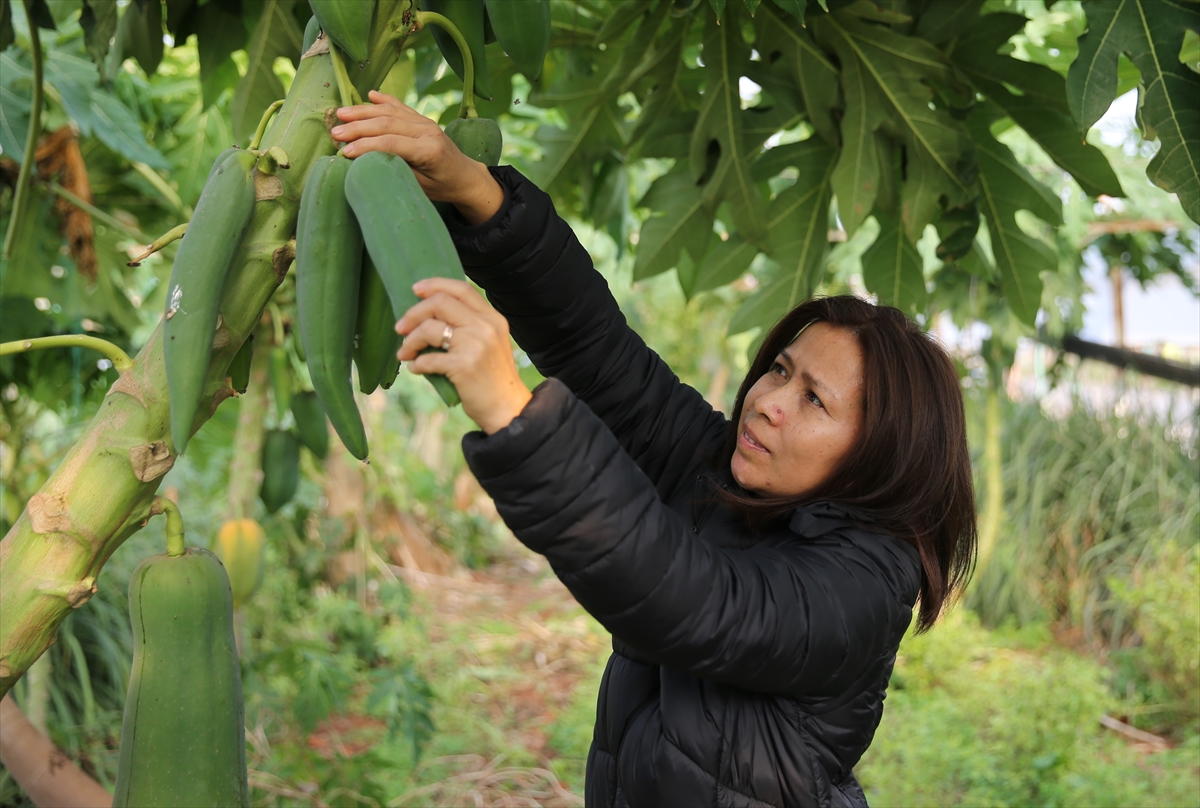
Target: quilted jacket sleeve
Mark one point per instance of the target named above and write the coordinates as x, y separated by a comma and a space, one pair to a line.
804, 618
537, 274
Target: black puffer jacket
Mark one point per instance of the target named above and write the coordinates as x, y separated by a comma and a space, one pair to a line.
747, 670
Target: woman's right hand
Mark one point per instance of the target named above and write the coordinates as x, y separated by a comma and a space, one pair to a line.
444, 172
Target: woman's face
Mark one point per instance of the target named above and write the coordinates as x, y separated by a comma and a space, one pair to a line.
801, 418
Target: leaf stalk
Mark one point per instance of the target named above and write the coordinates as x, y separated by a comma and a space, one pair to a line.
21, 193
120, 360
467, 108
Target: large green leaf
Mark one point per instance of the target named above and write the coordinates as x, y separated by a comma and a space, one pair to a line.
892, 268
1006, 187
680, 222
716, 156
798, 223
856, 175
1041, 109
99, 22
723, 263
15, 103
1151, 33
140, 36
218, 34
784, 43
276, 34
96, 111
940, 162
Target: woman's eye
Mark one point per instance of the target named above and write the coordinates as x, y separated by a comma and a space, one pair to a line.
779, 369
814, 399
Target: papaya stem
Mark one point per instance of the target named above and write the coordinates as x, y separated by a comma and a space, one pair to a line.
21, 192
345, 88
119, 358
467, 108
166, 238
262, 123
165, 506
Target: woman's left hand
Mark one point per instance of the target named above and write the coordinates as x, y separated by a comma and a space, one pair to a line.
479, 360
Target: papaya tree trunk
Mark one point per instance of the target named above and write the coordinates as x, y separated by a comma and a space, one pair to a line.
103, 490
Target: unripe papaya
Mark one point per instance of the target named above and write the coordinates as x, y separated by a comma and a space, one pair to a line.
280, 468
310, 422
405, 236
239, 368
241, 544
468, 18
523, 29
376, 341
477, 138
347, 23
329, 251
183, 738
197, 278
280, 372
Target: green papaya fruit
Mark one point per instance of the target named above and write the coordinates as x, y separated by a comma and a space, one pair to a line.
239, 368
197, 278
477, 138
183, 738
310, 422
523, 30
280, 371
329, 253
404, 234
347, 23
468, 18
376, 341
280, 468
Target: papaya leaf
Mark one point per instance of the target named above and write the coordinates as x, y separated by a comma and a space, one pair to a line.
1041, 109
664, 98
682, 223
1151, 34
41, 15
723, 263
97, 112
940, 160
794, 7
276, 34
203, 134
893, 269
718, 7
1189, 51
99, 22
752, 6
139, 35
783, 41
856, 175
15, 103
620, 19
1006, 187
716, 156
876, 12
941, 22
218, 34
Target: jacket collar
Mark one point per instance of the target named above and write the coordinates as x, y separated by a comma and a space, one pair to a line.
815, 520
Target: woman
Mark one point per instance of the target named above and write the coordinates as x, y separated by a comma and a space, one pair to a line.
756, 573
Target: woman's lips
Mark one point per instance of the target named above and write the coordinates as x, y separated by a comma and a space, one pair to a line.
746, 439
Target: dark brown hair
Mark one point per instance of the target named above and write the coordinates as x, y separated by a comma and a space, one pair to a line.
909, 471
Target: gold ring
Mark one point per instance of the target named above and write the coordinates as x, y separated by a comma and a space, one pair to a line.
446, 335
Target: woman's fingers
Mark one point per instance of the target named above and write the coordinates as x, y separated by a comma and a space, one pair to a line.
430, 333
442, 307
461, 290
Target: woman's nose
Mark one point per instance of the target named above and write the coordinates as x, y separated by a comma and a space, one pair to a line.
770, 405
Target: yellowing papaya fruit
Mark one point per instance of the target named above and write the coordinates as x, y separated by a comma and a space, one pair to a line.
329, 251
310, 422
280, 468
403, 232
347, 23
477, 138
241, 545
468, 18
376, 341
197, 278
523, 30
183, 738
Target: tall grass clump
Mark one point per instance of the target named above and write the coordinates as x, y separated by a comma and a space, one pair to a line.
1093, 502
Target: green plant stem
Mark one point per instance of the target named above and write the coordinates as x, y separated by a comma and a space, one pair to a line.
262, 123
467, 108
21, 192
166, 238
345, 88
119, 358
175, 547
96, 213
